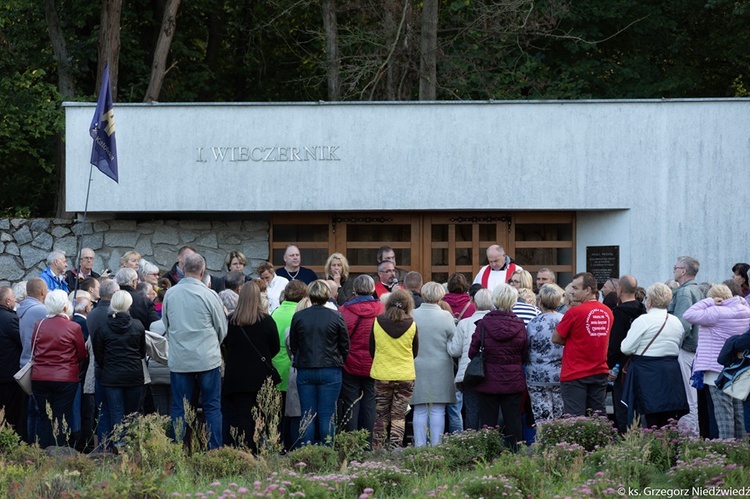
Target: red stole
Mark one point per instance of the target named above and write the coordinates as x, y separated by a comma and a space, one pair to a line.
511, 267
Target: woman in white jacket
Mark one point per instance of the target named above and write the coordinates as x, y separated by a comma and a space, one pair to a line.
653, 383
458, 347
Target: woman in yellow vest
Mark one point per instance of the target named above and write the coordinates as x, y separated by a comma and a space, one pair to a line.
393, 346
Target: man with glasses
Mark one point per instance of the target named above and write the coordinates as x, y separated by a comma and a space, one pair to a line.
84, 270
387, 282
386, 254
683, 298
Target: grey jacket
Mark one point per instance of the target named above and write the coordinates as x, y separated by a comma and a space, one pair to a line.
683, 298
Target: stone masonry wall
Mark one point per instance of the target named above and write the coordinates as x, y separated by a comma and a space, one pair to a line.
25, 243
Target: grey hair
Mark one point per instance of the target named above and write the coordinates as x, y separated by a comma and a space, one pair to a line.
108, 288
692, 266
432, 292
57, 302
54, 255
659, 295
551, 296
483, 299
125, 276
121, 301
145, 267
19, 289
194, 264
364, 285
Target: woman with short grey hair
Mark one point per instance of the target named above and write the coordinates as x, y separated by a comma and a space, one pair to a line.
653, 383
433, 388
458, 347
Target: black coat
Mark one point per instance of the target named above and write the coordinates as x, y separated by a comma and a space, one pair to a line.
142, 308
244, 371
119, 347
10, 344
318, 338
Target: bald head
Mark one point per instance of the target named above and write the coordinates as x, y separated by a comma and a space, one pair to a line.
628, 286
496, 256
36, 288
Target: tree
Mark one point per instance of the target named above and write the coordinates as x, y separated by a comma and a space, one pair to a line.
158, 68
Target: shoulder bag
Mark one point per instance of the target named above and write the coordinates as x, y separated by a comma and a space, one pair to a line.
734, 380
474, 373
627, 364
23, 376
272, 371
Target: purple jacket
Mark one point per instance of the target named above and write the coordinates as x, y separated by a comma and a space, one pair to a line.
506, 348
718, 322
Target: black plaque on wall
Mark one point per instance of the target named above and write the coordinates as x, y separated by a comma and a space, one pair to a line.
603, 262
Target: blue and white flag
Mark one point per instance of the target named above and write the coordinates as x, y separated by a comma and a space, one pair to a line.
104, 150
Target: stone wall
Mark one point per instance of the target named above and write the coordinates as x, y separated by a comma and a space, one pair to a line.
25, 243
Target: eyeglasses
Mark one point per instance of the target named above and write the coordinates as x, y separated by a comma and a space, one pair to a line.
389, 271
676, 267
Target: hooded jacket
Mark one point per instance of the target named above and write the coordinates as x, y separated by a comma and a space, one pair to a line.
717, 324
624, 315
119, 347
506, 348
359, 314
458, 301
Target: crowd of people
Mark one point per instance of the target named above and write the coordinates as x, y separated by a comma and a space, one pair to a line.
359, 352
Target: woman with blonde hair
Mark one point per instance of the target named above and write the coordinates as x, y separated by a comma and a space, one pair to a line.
131, 259
393, 346
337, 270
319, 342
720, 316
521, 279
251, 342
506, 349
434, 388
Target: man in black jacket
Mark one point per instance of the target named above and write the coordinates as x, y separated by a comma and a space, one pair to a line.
142, 308
11, 396
624, 314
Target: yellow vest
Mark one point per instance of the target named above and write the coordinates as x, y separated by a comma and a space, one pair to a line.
394, 358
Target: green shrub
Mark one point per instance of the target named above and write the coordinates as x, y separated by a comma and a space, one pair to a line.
425, 460
590, 433
224, 462
148, 445
313, 458
466, 449
382, 477
526, 471
563, 461
627, 462
352, 445
489, 486
710, 470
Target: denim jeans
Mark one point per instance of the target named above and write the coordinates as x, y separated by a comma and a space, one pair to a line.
360, 414
103, 426
319, 390
182, 393
122, 400
471, 404
455, 420
59, 395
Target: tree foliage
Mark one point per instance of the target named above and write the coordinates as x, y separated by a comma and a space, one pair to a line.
280, 50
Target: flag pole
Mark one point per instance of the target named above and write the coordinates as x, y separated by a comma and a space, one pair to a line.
83, 231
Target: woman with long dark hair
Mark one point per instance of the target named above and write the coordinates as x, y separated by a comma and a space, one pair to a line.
252, 341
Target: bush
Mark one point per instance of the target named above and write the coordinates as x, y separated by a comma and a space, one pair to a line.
147, 444
223, 462
352, 445
489, 486
528, 472
381, 477
313, 458
627, 463
590, 433
710, 470
467, 448
425, 460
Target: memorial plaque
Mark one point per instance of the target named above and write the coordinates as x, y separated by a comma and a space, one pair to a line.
603, 262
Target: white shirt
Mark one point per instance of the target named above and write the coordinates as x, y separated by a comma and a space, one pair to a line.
275, 287
645, 327
497, 277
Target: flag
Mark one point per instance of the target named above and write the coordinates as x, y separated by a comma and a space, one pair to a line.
104, 150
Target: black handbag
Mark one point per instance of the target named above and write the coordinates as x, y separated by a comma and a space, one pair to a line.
272, 371
474, 373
